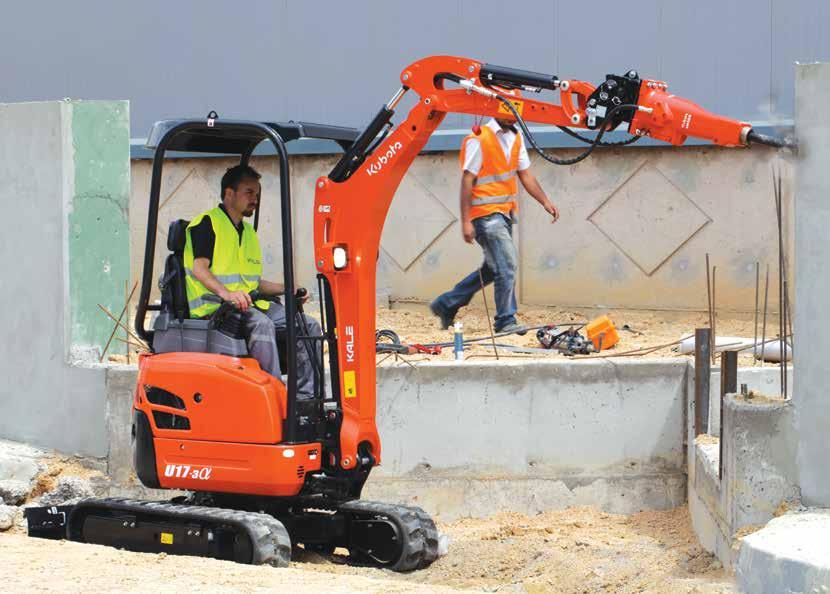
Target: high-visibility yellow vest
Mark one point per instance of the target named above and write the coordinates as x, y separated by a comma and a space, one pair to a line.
495, 187
235, 264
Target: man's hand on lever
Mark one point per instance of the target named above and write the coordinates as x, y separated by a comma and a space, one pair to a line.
240, 299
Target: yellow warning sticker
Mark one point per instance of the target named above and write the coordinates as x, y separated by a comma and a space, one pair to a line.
349, 383
519, 105
166, 538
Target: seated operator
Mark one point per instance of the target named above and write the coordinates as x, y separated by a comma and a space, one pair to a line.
222, 256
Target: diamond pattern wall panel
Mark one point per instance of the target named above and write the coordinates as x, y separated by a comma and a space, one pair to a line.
421, 214
648, 218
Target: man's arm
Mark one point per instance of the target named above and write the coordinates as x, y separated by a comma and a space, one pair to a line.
269, 288
201, 270
467, 229
531, 184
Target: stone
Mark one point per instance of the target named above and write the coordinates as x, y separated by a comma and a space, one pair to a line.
14, 492
8, 515
69, 489
19, 462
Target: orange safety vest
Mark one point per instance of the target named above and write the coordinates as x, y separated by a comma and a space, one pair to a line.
495, 187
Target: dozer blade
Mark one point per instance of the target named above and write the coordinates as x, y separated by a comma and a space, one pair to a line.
178, 529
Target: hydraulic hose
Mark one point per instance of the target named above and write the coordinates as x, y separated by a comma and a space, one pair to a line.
583, 155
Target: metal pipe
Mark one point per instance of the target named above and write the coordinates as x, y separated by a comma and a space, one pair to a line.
764, 324
702, 376
782, 314
757, 286
714, 317
709, 300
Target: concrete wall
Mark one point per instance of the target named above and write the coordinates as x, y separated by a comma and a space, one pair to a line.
524, 436
62, 168
812, 342
636, 225
759, 473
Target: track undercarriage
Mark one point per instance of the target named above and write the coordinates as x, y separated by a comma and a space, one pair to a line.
254, 530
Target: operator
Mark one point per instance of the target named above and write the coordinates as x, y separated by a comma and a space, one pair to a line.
222, 256
491, 160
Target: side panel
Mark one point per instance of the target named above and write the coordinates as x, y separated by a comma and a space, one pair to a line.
235, 467
201, 396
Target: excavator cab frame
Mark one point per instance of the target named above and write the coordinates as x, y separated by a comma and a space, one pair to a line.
215, 136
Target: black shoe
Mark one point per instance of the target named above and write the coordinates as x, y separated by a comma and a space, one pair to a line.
512, 328
446, 318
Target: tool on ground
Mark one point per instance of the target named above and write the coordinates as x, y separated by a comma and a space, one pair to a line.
265, 468
388, 341
567, 341
602, 332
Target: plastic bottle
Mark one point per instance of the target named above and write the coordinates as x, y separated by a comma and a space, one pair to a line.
458, 346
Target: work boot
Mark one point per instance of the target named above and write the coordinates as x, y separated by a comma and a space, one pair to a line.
446, 318
512, 328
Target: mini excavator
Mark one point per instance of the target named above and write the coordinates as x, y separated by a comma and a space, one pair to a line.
265, 470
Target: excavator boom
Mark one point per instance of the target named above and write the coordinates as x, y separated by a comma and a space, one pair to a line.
351, 202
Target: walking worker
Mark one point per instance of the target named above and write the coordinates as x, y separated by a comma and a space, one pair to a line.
491, 160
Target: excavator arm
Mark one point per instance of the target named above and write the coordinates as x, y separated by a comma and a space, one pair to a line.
351, 202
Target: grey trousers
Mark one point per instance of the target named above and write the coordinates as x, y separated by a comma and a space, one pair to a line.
260, 333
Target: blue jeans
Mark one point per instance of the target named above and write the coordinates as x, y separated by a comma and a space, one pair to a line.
494, 233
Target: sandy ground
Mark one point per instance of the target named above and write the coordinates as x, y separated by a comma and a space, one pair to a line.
415, 324
574, 550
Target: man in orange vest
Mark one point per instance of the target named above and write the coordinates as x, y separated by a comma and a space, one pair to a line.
491, 160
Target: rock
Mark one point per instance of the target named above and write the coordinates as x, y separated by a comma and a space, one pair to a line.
19, 462
14, 492
69, 489
8, 514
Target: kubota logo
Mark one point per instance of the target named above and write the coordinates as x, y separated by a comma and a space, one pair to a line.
383, 159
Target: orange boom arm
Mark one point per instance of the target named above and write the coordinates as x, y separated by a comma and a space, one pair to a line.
351, 203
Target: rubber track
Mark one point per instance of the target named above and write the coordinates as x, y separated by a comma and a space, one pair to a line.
270, 540
430, 535
420, 547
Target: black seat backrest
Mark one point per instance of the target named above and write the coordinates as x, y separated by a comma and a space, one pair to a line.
172, 284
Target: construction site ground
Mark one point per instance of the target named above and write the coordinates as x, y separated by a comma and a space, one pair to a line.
574, 550
414, 323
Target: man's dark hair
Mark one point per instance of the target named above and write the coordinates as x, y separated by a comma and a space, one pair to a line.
235, 175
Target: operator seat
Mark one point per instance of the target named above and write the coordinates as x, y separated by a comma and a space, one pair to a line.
175, 331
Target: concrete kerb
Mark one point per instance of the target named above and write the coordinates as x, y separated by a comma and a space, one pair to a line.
477, 438
790, 554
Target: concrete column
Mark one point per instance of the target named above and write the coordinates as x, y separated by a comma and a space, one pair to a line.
64, 182
812, 315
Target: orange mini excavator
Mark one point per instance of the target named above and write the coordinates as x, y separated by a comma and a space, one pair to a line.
264, 470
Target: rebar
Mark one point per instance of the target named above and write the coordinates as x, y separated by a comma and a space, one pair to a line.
757, 286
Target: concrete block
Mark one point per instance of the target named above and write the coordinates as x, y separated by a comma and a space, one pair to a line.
790, 554
759, 453
120, 382
19, 462
7, 516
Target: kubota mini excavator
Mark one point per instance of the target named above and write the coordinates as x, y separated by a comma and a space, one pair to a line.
265, 470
